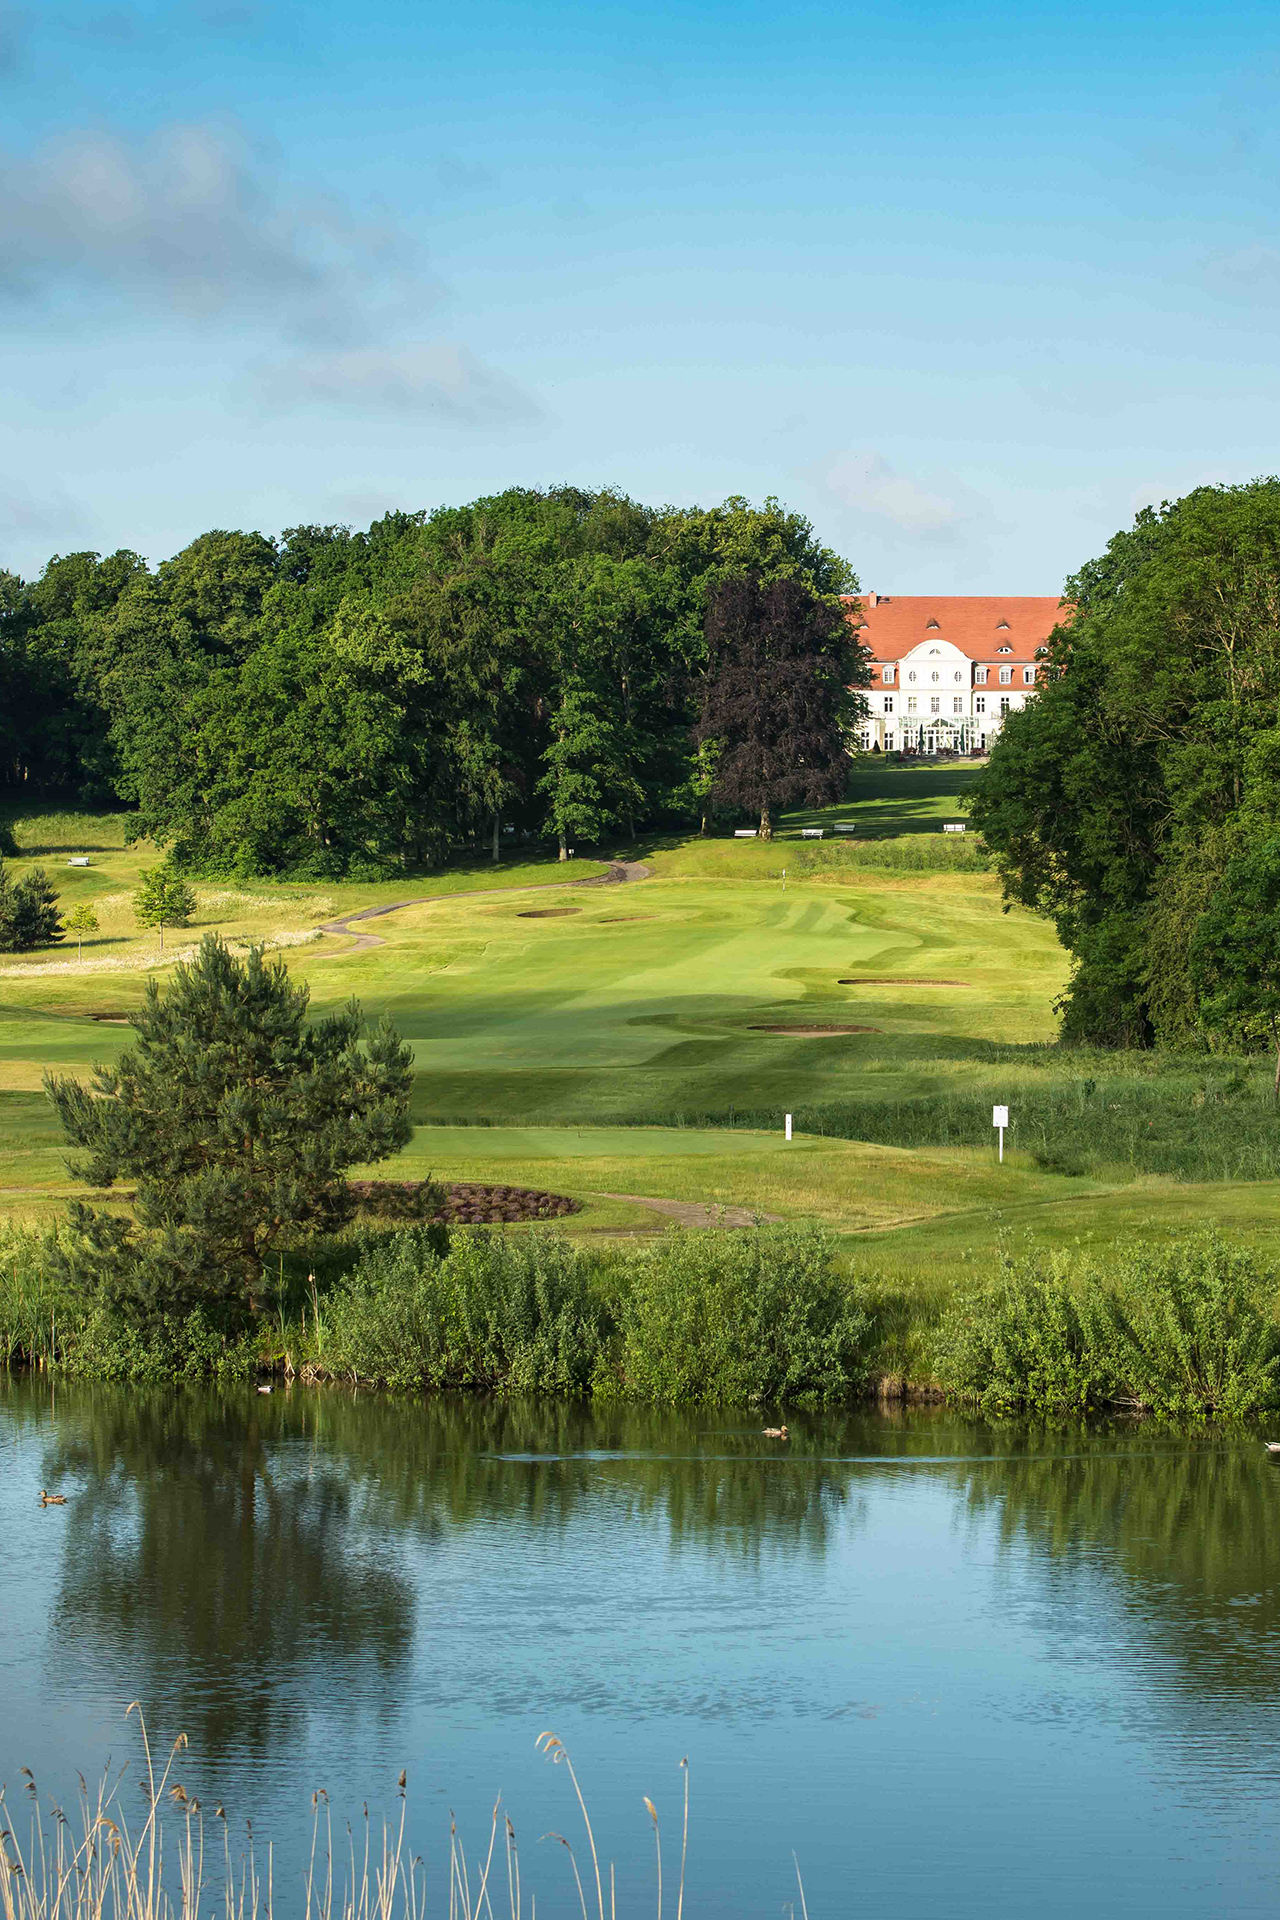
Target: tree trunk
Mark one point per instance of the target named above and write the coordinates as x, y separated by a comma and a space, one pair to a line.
497, 829
564, 851
766, 824
703, 828
1275, 1035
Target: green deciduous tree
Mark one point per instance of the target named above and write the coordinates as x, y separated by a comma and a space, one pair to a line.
1115, 799
163, 899
79, 921
237, 1121
1235, 949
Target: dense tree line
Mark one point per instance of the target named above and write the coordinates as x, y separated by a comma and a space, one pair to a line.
1137, 801
344, 702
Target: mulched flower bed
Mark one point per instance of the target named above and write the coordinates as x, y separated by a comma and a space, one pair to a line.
466, 1203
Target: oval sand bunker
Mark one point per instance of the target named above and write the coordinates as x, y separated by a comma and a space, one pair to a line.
814, 1033
546, 913
899, 980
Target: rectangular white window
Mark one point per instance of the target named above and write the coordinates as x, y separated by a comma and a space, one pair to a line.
957, 705
1004, 706
980, 703
1028, 676
980, 676
1006, 675
935, 705
888, 703
911, 703
886, 674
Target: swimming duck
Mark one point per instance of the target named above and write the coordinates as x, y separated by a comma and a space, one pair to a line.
52, 1499
775, 1433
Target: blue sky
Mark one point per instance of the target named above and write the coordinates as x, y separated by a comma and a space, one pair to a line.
966, 284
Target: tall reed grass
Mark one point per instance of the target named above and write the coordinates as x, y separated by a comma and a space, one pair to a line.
179, 1864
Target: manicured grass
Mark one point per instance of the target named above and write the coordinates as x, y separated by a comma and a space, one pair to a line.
617, 1045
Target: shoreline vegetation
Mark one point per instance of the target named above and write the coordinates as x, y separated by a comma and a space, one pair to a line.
768, 1317
105, 1871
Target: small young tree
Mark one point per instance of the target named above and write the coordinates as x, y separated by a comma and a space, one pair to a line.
236, 1121
163, 899
1235, 950
781, 663
28, 912
79, 921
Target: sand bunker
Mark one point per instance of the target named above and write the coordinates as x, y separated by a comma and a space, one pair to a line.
814, 1033
546, 913
899, 980
112, 1019
624, 919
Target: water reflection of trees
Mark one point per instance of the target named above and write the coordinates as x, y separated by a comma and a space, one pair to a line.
232, 1553
1188, 1527
261, 1539
210, 1562
432, 1464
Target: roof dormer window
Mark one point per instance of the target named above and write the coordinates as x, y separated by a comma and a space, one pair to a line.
1002, 626
931, 626
1004, 649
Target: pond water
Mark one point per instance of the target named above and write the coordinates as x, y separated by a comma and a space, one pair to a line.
957, 1668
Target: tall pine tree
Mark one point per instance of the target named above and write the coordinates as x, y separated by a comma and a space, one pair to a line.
237, 1120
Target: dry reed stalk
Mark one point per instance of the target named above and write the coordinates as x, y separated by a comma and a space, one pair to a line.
108, 1874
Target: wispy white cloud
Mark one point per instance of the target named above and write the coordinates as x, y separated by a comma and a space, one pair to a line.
436, 376
1251, 269
194, 217
1154, 493
863, 481
41, 517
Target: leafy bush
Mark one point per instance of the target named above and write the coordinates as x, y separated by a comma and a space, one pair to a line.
104, 1344
1186, 1331
507, 1314
752, 1317
1199, 1335
1027, 1337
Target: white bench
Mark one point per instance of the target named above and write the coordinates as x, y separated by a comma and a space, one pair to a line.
80, 860
811, 833
846, 826
953, 826
746, 833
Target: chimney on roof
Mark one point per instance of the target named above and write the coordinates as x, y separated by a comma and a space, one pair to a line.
870, 598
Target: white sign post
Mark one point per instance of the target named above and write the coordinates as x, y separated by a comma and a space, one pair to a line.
788, 1126
1000, 1120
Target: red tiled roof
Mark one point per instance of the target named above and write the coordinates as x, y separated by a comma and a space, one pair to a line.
894, 625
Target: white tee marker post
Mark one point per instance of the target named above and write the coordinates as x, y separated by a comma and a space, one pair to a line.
1000, 1120
788, 1126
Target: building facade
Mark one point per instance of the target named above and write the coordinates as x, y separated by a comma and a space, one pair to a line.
946, 670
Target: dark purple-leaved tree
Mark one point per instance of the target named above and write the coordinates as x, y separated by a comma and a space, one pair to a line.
780, 695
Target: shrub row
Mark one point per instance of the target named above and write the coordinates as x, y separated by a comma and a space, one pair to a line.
765, 1317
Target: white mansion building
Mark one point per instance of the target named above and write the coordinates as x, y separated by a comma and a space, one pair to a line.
946, 671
